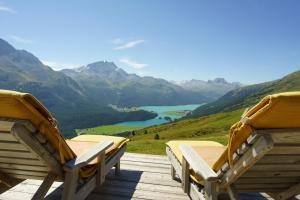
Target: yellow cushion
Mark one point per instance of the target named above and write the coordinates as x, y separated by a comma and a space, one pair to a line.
210, 151
274, 111
83, 143
16, 105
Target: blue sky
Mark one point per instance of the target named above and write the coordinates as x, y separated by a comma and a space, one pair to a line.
249, 41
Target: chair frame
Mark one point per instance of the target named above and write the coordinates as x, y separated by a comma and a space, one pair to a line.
255, 167
23, 145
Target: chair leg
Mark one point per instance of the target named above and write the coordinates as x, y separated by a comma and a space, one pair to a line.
117, 168
70, 184
210, 190
44, 187
185, 182
231, 194
100, 178
173, 172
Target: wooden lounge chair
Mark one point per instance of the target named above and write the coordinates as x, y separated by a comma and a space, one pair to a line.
263, 154
32, 148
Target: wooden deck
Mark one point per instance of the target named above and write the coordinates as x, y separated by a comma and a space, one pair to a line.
142, 177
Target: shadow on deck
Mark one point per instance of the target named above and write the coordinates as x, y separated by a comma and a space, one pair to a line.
142, 177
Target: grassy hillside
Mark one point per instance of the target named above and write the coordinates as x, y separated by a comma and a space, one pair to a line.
249, 95
214, 127
107, 130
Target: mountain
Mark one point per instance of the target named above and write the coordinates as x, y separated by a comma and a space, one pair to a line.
63, 96
249, 95
212, 88
106, 82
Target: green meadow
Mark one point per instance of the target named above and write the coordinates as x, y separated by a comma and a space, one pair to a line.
214, 127
107, 130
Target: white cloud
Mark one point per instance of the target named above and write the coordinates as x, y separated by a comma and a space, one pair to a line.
58, 65
7, 9
126, 45
21, 39
132, 63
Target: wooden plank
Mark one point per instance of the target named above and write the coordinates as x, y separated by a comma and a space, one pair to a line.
6, 136
12, 146
144, 177
149, 156
256, 152
175, 163
290, 192
282, 136
44, 187
22, 161
280, 159
154, 195
276, 167
147, 169
23, 167
23, 176
17, 154
287, 150
27, 138
272, 174
261, 186
24, 172
185, 179
6, 125
145, 160
86, 189
136, 163
143, 186
70, 184
269, 180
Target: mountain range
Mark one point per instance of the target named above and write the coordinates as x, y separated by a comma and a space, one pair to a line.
79, 98
248, 95
212, 89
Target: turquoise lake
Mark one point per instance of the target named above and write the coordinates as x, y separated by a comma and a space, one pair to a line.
160, 110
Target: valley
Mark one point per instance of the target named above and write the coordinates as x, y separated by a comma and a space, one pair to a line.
165, 114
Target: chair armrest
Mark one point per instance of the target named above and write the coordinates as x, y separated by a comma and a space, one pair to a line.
87, 157
198, 164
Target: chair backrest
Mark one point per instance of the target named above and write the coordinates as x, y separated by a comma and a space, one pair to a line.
269, 161
25, 153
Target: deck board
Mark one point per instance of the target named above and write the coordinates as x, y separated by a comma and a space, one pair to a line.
142, 176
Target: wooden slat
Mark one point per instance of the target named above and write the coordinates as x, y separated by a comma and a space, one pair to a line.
147, 156
257, 151
12, 146
268, 180
125, 192
145, 160
17, 154
261, 186
288, 150
283, 136
275, 159
23, 167
22, 161
6, 136
272, 174
6, 125
23, 176
143, 186
136, 163
24, 172
274, 167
